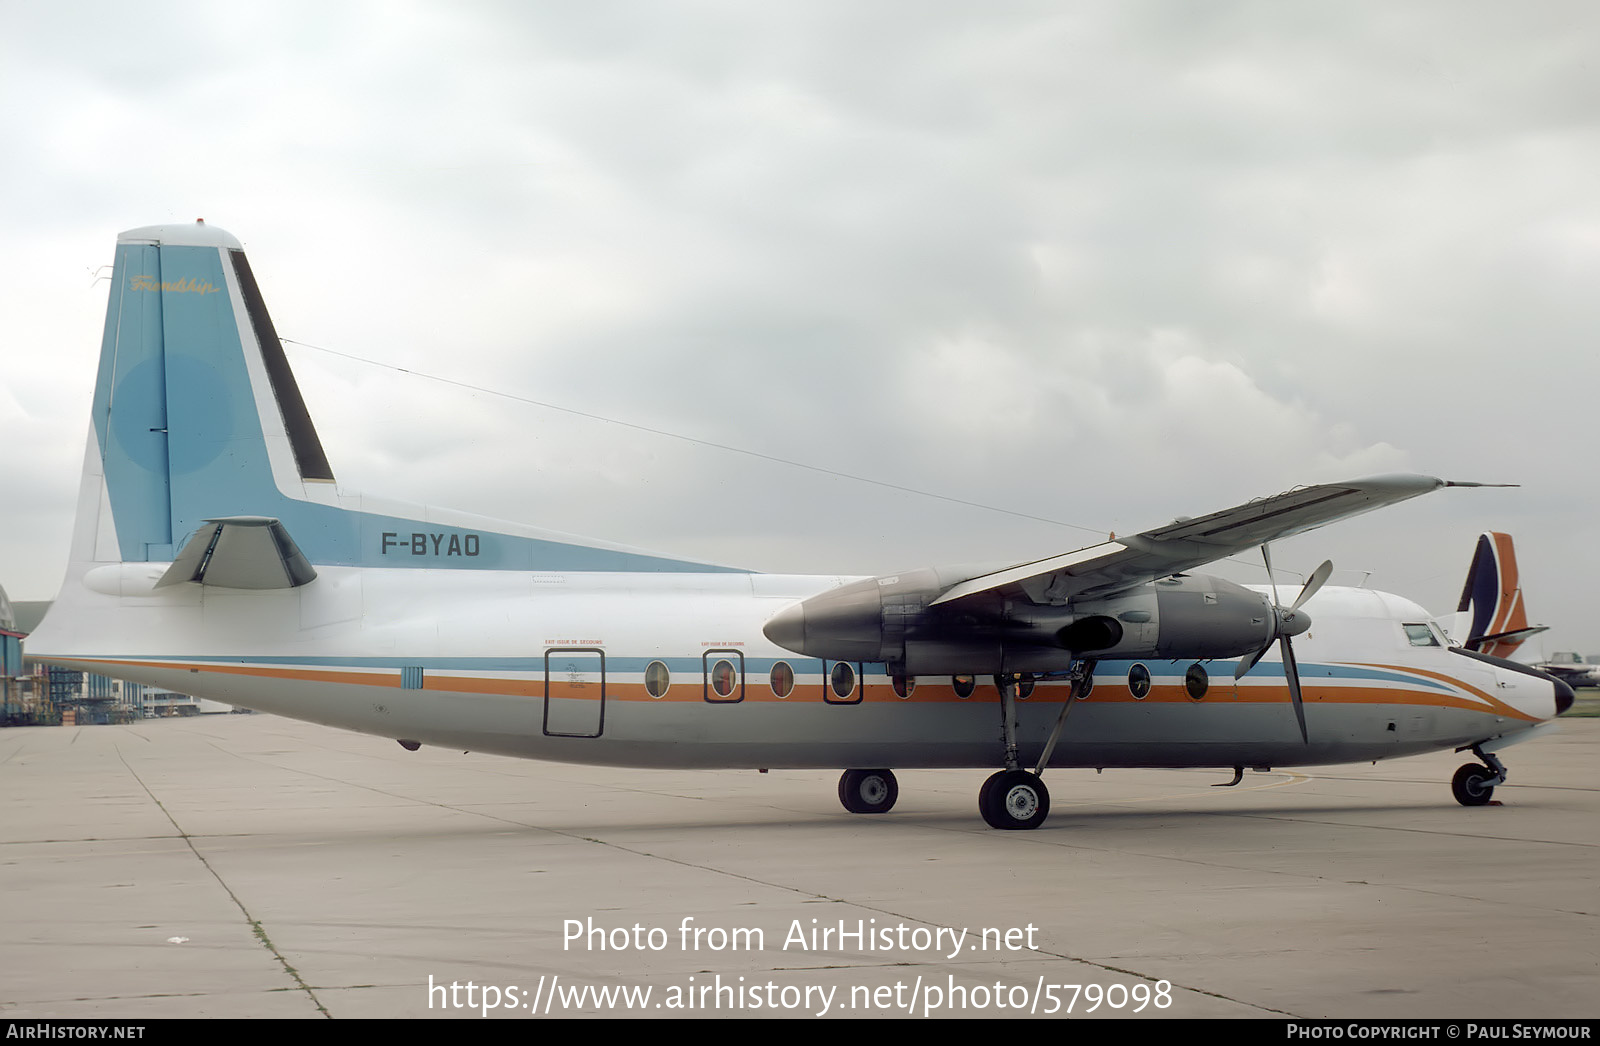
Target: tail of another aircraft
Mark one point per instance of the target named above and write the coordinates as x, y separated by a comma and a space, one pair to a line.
202, 453
1499, 623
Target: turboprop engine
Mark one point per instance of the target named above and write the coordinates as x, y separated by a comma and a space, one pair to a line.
890, 619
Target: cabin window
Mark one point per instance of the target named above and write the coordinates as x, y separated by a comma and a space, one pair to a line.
1420, 635
656, 679
963, 685
1195, 681
782, 679
903, 685
723, 676
842, 679
1139, 682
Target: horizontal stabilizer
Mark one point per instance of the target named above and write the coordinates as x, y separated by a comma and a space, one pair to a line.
1483, 643
241, 552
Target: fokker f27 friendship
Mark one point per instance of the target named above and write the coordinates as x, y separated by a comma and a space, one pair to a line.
214, 555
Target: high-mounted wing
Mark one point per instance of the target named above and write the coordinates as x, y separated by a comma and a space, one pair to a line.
1124, 563
1040, 616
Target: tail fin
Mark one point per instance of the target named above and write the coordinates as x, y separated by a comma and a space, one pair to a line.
184, 425
201, 444
1492, 594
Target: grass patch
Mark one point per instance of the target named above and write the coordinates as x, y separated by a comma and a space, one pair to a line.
1587, 705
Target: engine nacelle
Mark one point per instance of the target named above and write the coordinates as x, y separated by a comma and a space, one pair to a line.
888, 619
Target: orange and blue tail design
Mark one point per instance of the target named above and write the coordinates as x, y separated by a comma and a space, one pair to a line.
1493, 594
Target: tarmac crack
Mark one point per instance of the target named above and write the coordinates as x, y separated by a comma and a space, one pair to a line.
782, 887
1293, 778
256, 928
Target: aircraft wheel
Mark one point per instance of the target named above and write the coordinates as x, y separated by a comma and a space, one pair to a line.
1469, 787
1014, 800
868, 791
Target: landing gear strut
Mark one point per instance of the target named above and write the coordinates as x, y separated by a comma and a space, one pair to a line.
868, 791
1013, 799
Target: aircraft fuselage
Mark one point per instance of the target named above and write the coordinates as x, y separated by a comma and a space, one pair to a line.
560, 666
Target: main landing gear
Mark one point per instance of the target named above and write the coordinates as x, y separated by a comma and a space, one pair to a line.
1473, 785
1011, 799
1014, 800
868, 791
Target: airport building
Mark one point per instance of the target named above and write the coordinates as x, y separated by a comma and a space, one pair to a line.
39, 695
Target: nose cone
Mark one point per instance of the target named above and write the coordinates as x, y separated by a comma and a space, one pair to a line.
1564, 695
787, 628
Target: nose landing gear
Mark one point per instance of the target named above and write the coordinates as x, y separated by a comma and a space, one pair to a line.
1473, 785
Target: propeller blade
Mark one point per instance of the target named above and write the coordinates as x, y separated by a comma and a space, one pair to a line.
1286, 623
1291, 673
1318, 578
1250, 662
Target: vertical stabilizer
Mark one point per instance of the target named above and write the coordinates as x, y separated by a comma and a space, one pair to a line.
179, 428
197, 421
1493, 595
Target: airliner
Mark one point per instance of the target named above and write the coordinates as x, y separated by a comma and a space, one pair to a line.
213, 554
1571, 667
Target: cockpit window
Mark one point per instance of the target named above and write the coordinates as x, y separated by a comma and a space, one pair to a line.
1420, 635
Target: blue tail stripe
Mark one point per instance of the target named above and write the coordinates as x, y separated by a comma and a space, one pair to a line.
182, 440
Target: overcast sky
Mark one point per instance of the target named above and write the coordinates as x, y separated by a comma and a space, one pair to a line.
1101, 263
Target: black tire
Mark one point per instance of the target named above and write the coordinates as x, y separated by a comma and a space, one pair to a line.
1014, 800
868, 791
1469, 787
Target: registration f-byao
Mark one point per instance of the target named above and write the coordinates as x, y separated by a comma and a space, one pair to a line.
214, 555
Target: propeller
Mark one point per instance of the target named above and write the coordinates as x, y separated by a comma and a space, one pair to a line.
1288, 621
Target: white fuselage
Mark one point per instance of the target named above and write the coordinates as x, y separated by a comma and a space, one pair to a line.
554, 666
